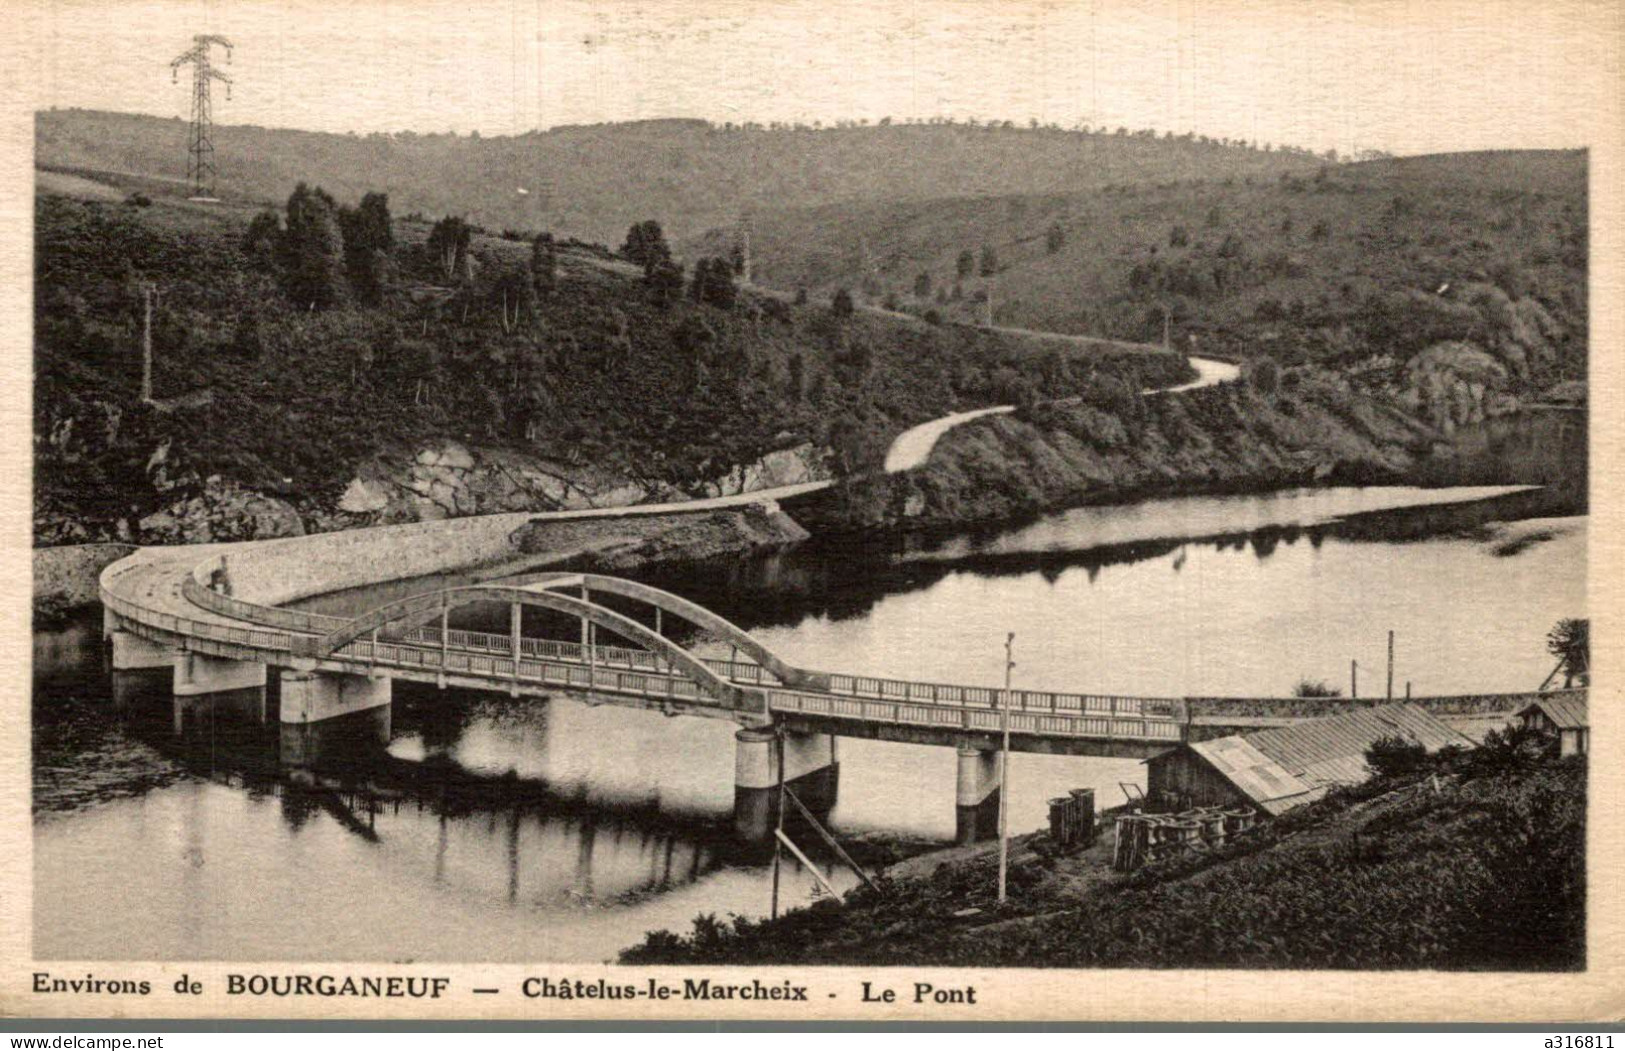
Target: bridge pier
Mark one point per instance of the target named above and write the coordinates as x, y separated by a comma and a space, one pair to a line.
811, 771
977, 796
208, 689
131, 652
321, 712
200, 673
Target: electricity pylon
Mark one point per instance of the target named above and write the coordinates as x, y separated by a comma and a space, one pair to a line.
200, 170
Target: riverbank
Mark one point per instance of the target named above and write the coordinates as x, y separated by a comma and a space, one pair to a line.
1229, 438
1453, 872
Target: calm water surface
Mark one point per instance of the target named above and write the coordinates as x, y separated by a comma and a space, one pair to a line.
499, 829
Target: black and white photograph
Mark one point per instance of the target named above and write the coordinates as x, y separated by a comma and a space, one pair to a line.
927, 503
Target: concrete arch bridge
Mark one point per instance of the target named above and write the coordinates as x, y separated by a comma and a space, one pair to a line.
335, 675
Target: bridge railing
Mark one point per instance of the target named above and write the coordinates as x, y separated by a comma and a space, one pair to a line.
608, 656
949, 716
1034, 701
534, 672
256, 638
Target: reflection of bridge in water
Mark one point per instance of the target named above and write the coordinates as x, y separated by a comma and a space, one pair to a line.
166, 608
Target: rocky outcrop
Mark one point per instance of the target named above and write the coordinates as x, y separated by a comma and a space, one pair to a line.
718, 534
442, 480
221, 510
452, 480
1224, 438
65, 577
803, 463
1454, 384
626, 543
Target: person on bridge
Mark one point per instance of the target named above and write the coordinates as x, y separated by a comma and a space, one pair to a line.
220, 579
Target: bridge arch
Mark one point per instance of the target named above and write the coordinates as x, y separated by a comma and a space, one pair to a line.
691, 612
419, 607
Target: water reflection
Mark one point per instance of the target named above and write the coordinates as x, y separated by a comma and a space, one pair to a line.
471, 838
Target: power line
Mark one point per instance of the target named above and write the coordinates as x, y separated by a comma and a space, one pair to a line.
200, 169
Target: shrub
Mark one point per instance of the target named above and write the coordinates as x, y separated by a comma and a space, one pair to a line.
1265, 376
841, 303
1395, 756
1317, 688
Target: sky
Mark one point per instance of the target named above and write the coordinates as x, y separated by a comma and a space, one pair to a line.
1406, 76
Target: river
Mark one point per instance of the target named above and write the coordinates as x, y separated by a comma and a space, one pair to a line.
502, 829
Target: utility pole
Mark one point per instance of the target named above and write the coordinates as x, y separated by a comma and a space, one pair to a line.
1004, 768
200, 170
1354, 679
745, 272
1167, 326
146, 344
778, 837
1390, 664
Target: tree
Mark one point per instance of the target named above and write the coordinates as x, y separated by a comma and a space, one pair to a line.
665, 281
448, 245
1054, 238
1570, 642
514, 295
990, 261
544, 264
264, 233
965, 264
798, 378
922, 286
368, 238
646, 245
841, 304
1179, 237
313, 250
713, 283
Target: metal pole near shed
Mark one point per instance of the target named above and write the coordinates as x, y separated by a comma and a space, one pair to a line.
1004, 769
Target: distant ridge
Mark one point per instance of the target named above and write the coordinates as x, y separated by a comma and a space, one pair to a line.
592, 181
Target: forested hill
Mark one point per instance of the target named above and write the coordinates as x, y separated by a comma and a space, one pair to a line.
1479, 258
592, 181
325, 348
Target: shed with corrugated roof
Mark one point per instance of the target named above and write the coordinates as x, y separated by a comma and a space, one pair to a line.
1564, 714
1283, 767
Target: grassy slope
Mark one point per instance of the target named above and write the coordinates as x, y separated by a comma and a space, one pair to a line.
1487, 874
592, 182
1391, 228
598, 375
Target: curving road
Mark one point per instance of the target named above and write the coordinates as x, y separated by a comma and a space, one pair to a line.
912, 448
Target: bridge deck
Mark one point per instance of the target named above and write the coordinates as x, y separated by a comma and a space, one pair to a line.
148, 595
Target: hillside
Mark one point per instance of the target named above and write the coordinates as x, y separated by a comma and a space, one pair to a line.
420, 393
1482, 868
593, 181
1477, 259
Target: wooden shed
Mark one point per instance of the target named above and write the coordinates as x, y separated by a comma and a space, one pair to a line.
1565, 715
1280, 768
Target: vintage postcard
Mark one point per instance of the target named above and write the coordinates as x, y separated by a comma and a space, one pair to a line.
970, 511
